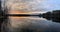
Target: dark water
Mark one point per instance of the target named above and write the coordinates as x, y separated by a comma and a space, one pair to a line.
30, 24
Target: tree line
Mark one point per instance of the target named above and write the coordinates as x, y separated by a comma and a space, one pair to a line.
54, 15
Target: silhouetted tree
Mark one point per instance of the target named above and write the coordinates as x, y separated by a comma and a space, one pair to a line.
54, 15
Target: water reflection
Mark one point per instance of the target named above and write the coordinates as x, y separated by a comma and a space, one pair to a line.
31, 24
54, 19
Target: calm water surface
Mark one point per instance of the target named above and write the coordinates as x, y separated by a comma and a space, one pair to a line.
31, 24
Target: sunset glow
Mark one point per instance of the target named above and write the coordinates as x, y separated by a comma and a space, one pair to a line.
18, 12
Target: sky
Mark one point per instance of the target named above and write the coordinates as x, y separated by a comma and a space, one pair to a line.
33, 5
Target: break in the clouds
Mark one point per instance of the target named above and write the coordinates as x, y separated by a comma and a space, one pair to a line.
33, 5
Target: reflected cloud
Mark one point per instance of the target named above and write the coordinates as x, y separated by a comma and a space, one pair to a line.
31, 17
18, 21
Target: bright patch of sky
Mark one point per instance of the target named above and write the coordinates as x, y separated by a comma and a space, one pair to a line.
52, 5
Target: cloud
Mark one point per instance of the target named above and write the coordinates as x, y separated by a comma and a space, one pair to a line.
25, 5
32, 5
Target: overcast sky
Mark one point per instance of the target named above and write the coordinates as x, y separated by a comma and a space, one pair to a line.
33, 5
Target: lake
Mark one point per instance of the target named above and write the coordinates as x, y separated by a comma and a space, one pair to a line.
30, 24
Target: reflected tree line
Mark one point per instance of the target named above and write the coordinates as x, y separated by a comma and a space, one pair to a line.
54, 15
